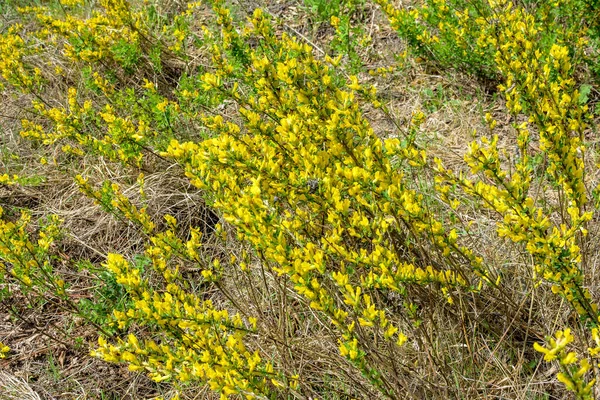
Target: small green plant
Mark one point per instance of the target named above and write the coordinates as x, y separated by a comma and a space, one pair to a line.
104, 299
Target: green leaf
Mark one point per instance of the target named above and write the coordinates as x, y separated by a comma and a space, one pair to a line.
584, 92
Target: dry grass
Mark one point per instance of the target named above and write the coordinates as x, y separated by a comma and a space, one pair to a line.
13, 388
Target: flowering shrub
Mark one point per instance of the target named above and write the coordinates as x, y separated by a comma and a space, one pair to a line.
466, 34
325, 222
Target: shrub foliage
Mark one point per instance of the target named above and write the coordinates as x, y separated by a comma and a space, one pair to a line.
335, 257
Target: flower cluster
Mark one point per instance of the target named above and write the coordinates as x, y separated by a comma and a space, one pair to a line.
537, 80
573, 376
196, 340
14, 50
305, 179
27, 260
89, 119
113, 201
457, 33
4, 350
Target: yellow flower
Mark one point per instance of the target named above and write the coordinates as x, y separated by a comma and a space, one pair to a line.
162, 106
4, 350
335, 21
